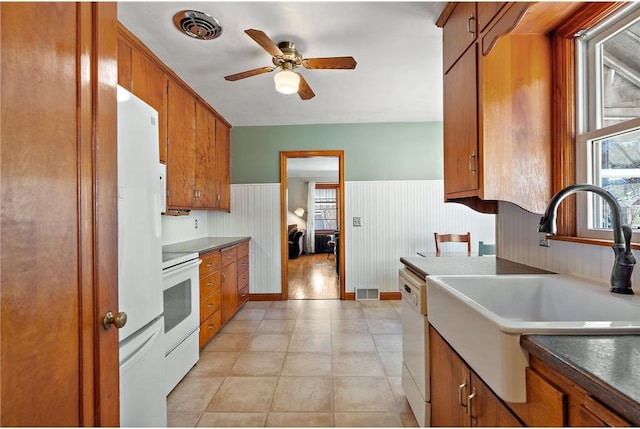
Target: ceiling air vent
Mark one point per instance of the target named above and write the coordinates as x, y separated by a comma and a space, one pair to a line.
198, 25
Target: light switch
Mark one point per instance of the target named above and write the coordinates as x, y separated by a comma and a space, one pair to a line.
357, 221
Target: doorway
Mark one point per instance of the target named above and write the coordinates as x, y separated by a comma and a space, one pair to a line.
312, 242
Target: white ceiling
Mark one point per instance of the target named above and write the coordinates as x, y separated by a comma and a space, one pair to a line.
397, 46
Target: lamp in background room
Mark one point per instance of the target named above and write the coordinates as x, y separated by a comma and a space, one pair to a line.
299, 211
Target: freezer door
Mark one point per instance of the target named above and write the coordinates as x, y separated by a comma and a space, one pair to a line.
142, 378
139, 224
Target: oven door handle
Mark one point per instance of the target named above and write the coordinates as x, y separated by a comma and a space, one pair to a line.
182, 267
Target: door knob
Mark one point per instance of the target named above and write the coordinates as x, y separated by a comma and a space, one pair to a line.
118, 320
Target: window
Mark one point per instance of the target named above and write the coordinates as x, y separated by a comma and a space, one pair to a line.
326, 207
608, 147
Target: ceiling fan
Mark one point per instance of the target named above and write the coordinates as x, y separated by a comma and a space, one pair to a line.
287, 58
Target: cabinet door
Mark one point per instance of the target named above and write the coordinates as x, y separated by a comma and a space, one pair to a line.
487, 410
124, 64
223, 170
205, 157
459, 33
149, 83
461, 126
486, 11
229, 291
181, 179
450, 381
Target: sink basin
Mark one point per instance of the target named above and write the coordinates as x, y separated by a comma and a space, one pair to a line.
482, 318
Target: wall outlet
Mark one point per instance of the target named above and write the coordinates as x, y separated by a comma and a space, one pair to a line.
357, 221
195, 224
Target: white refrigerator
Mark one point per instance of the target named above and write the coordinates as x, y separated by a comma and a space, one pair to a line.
142, 399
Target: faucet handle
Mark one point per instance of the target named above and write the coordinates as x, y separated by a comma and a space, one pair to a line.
626, 231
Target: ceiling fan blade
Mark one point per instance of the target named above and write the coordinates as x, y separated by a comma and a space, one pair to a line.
250, 73
330, 63
304, 90
263, 40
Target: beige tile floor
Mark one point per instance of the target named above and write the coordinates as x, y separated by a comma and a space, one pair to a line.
299, 363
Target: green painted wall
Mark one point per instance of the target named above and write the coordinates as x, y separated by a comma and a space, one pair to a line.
377, 151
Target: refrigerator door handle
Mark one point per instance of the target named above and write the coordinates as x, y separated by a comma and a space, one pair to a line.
134, 355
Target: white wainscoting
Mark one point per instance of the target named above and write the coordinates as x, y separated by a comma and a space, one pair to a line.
398, 219
255, 212
182, 228
518, 240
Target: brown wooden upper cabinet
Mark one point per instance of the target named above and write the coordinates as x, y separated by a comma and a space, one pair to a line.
146, 80
194, 139
498, 102
181, 150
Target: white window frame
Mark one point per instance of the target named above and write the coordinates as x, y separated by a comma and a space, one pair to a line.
589, 122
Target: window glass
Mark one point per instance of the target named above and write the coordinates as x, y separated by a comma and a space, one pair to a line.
326, 213
616, 168
619, 64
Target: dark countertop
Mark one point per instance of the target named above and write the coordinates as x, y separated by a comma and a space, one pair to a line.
606, 366
204, 244
461, 264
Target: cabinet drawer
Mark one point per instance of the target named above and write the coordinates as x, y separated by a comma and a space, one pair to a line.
229, 255
243, 250
209, 305
209, 284
243, 280
209, 328
243, 295
243, 264
210, 263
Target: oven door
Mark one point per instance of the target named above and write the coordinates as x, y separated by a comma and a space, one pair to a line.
181, 302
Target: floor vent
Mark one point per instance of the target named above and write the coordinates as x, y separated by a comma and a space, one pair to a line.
367, 294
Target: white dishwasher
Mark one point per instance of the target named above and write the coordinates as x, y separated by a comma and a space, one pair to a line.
415, 345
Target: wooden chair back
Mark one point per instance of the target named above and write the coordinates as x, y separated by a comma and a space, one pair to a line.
486, 249
460, 238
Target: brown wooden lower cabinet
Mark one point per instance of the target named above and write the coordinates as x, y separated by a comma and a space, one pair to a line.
224, 287
555, 400
460, 398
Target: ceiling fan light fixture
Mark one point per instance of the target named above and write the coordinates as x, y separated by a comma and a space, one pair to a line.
287, 82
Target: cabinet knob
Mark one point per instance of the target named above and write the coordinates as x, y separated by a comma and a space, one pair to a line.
469, 408
210, 265
210, 305
210, 284
211, 326
118, 320
472, 163
460, 389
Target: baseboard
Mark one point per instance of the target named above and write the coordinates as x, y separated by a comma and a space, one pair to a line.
348, 296
265, 297
390, 296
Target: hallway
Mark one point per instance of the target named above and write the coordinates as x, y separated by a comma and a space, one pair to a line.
313, 277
